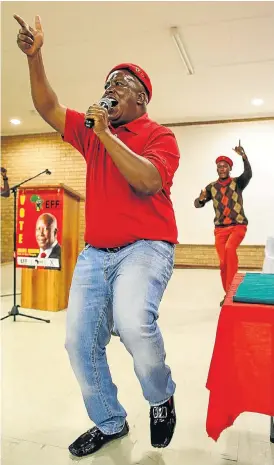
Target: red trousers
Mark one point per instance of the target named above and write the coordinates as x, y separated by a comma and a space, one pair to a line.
227, 240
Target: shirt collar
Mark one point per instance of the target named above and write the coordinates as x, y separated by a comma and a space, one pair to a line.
134, 126
225, 182
49, 249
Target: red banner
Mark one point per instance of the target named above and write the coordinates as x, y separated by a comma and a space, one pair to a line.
39, 228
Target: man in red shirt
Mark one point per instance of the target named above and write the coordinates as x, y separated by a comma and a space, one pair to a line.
122, 273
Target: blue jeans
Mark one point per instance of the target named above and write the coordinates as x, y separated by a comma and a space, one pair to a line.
121, 290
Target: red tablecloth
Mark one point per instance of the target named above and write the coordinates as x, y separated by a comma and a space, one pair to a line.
241, 375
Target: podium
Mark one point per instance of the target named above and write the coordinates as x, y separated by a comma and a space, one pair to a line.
43, 288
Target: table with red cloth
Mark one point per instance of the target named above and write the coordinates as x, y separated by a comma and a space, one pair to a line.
241, 374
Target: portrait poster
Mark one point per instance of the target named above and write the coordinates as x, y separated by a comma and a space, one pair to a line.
39, 228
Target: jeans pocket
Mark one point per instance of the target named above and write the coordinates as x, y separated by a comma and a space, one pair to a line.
162, 248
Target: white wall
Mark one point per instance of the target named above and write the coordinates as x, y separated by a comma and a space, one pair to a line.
199, 147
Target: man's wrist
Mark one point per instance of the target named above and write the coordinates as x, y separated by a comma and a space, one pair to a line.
102, 134
36, 55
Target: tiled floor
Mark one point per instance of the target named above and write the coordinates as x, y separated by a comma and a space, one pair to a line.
42, 409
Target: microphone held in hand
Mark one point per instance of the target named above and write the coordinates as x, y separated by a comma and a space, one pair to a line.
106, 103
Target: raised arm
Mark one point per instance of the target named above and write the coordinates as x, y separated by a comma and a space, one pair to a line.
245, 177
30, 41
5, 191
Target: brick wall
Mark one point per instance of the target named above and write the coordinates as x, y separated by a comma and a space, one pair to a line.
205, 256
25, 156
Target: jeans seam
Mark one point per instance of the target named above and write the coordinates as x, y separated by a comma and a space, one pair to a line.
105, 269
93, 359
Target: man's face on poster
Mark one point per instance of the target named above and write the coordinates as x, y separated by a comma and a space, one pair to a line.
46, 230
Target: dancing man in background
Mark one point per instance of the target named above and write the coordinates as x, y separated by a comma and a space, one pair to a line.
122, 273
230, 220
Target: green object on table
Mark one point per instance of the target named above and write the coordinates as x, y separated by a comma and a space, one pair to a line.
256, 288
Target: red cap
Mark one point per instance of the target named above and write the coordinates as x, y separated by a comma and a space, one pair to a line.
139, 73
223, 158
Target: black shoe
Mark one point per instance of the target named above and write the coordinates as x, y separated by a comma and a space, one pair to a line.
93, 440
162, 423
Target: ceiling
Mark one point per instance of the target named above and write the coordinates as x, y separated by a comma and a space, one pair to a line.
230, 45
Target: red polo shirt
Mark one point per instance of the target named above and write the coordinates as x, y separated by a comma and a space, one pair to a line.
115, 214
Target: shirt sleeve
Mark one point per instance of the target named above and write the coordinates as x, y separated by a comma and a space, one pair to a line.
245, 177
163, 152
76, 134
201, 204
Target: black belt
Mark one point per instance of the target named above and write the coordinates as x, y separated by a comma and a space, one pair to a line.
108, 249
116, 249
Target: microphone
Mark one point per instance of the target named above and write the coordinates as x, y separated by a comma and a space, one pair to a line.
106, 103
48, 172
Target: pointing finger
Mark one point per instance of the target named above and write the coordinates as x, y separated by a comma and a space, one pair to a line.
20, 21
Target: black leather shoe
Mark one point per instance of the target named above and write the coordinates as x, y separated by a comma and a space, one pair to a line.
93, 440
162, 423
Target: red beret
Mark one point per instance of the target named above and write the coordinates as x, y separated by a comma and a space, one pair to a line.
223, 158
138, 72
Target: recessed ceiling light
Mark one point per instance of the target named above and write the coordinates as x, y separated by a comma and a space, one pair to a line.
257, 102
15, 121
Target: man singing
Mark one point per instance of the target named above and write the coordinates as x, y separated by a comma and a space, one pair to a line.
122, 273
230, 220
